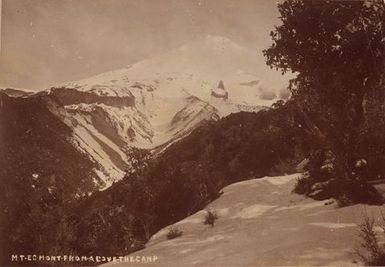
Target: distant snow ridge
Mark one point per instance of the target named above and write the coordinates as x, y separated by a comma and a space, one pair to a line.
157, 101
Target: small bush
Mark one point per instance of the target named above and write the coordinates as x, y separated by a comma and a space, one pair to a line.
343, 201
370, 252
174, 232
210, 218
303, 185
355, 191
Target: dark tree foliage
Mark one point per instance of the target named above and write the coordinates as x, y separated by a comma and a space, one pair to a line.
336, 49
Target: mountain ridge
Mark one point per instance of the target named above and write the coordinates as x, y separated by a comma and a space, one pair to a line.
157, 101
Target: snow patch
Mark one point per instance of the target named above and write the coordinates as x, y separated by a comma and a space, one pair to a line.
281, 180
333, 225
253, 211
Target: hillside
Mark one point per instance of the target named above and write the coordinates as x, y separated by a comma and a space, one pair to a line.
42, 175
240, 146
262, 223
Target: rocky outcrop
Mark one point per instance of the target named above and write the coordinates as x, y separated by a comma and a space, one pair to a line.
15, 92
220, 91
190, 116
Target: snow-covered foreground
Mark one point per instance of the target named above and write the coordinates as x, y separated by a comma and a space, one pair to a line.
261, 223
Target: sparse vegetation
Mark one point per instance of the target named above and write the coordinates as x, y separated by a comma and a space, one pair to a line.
302, 185
370, 252
174, 232
210, 218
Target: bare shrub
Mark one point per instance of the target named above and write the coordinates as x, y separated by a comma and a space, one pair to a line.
174, 232
210, 218
370, 252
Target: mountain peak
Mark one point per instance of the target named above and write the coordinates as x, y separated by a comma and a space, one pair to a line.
213, 42
216, 39
220, 42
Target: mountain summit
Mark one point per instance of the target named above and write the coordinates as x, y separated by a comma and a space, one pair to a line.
152, 103
114, 116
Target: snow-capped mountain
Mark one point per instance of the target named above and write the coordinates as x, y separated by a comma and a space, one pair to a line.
152, 103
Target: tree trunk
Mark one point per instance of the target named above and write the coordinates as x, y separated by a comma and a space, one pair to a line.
311, 125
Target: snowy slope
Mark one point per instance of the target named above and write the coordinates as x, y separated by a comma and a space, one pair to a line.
152, 103
261, 223
195, 68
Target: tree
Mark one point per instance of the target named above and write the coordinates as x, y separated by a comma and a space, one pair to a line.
337, 51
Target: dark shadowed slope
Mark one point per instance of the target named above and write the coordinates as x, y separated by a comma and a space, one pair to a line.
41, 175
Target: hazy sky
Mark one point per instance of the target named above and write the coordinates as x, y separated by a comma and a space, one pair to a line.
46, 42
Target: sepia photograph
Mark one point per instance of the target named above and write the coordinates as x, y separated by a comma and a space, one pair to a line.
172, 133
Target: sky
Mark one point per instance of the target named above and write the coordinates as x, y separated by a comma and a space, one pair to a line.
47, 42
